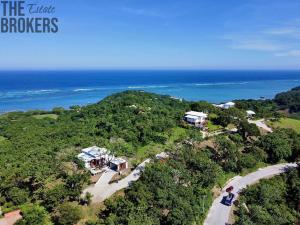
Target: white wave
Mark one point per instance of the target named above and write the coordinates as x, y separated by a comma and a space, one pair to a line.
97, 89
42, 91
148, 86
11, 94
221, 83
84, 89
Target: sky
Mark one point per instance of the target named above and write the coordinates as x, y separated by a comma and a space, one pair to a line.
161, 34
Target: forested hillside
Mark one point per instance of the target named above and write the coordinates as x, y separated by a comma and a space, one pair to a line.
274, 201
37, 149
289, 100
178, 190
39, 172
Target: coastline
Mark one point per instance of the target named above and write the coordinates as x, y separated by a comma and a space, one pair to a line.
47, 90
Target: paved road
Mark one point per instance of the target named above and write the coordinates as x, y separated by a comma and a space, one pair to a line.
103, 190
219, 213
261, 123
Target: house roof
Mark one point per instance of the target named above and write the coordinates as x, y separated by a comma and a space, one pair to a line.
250, 112
218, 105
194, 113
230, 103
118, 161
85, 157
95, 151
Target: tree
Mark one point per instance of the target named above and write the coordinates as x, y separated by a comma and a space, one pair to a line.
54, 196
246, 129
270, 201
289, 100
277, 146
74, 185
18, 196
34, 214
67, 214
226, 154
87, 198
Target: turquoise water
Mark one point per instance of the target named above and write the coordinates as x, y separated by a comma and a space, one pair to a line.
25, 90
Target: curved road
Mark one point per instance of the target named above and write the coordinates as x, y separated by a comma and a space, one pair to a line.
218, 213
262, 124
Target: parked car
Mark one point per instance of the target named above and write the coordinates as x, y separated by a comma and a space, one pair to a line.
229, 199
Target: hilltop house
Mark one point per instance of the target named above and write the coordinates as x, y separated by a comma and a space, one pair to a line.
229, 105
196, 118
95, 159
225, 105
250, 113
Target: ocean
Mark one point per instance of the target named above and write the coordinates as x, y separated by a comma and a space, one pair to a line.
44, 90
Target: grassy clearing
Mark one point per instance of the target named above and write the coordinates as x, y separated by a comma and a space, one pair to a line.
51, 116
153, 148
3, 115
286, 123
231, 126
90, 213
212, 127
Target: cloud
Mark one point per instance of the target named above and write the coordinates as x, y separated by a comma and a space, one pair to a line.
258, 45
280, 39
291, 53
248, 42
280, 31
287, 32
142, 12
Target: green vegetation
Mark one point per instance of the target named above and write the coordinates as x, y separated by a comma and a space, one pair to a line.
178, 190
289, 100
40, 174
172, 136
274, 201
2, 138
213, 127
38, 149
286, 123
173, 192
67, 214
42, 116
262, 108
280, 145
34, 215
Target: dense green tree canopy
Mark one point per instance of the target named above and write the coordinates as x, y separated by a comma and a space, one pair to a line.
274, 201
38, 167
34, 214
289, 100
176, 191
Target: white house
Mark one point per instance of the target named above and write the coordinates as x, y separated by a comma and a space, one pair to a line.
228, 105
95, 159
219, 106
195, 118
225, 105
118, 164
250, 113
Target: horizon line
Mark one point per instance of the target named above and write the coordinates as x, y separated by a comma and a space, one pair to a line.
139, 69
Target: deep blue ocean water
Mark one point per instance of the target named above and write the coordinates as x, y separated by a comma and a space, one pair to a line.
25, 90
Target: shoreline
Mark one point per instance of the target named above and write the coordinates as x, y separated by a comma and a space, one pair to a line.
56, 89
